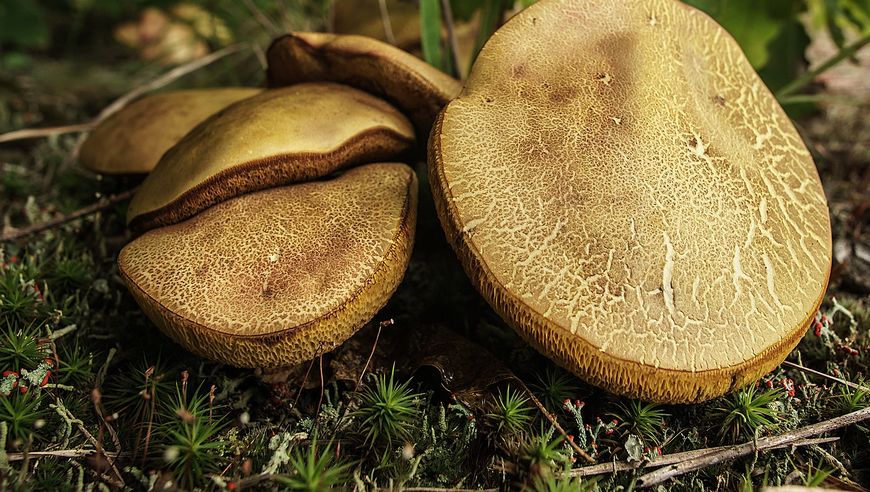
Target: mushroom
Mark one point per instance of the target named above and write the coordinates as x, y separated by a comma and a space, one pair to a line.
627, 194
416, 87
277, 137
278, 276
132, 140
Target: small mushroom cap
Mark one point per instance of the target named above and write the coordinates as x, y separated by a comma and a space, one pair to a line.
132, 140
278, 137
278, 276
417, 88
632, 199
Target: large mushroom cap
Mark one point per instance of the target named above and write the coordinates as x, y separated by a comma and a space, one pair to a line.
413, 85
278, 276
132, 140
632, 199
280, 136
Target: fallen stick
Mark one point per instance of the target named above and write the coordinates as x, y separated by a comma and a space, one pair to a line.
555, 423
163, 80
122, 101
731, 452
27, 133
669, 459
61, 453
166, 79
70, 418
826, 376
102, 204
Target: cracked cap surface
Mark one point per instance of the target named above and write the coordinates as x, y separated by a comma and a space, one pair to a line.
278, 137
632, 199
279, 276
132, 140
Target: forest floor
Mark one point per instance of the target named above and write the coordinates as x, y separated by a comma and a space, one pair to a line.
111, 402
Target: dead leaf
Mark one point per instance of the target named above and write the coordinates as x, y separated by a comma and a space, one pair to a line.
464, 369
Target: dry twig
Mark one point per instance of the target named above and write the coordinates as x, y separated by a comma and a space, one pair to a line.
827, 376
304, 380
669, 459
90, 437
322, 387
97, 398
102, 204
122, 101
166, 79
436, 489
555, 423
27, 133
60, 453
362, 374
738, 450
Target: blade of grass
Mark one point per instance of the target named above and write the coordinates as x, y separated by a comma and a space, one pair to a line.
385, 19
819, 98
490, 18
453, 44
802, 81
430, 32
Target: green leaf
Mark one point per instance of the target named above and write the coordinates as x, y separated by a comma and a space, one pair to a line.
789, 46
634, 448
753, 24
493, 10
23, 23
841, 18
854, 14
430, 32
831, 8
465, 9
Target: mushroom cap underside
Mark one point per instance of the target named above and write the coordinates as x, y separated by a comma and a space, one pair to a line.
278, 276
132, 140
645, 214
278, 137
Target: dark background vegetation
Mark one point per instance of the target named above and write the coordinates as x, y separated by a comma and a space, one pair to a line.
111, 403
